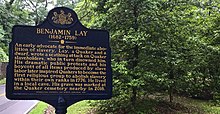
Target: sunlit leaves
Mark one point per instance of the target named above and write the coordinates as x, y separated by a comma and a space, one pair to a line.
3, 56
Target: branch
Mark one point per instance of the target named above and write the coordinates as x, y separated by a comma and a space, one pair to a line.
28, 4
33, 4
46, 4
84, 15
11, 2
73, 2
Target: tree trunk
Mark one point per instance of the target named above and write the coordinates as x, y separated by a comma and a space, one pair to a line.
170, 91
136, 52
134, 88
134, 96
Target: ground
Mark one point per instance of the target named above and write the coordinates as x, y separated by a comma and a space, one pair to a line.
180, 105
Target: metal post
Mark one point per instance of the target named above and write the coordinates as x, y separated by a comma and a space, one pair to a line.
61, 107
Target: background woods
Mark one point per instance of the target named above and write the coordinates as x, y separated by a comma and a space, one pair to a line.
159, 47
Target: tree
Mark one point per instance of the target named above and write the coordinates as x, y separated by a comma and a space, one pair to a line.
37, 9
3, 56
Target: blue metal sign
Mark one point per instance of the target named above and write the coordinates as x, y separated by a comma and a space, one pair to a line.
59, 61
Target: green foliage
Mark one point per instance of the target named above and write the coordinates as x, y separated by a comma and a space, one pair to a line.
159, 46
66, 3
16, 12
2, 81
3, 56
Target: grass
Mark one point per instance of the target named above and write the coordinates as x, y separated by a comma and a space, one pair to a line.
81, 107
2, 81
39, 108
212, 110
181, 105
206, 107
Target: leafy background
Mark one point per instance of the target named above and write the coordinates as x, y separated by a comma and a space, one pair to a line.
159, 47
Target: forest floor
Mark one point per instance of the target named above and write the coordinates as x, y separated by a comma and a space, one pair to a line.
184, 105
159, 104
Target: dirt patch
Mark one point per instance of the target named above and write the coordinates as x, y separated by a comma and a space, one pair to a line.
49, 110
180, 105
173, 108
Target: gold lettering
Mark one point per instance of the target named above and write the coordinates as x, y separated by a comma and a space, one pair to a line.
81, 33
53, 31
41, 68
85, 33
39, 31
47, 31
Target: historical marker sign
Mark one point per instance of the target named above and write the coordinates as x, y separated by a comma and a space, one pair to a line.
59, 62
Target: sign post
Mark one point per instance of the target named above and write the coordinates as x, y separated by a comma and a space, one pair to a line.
59, 62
